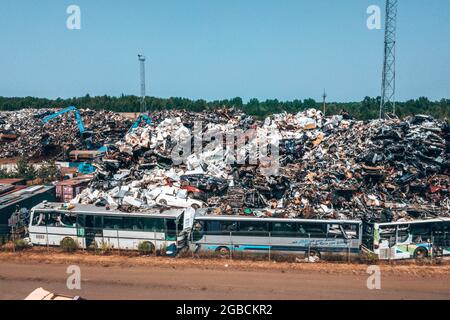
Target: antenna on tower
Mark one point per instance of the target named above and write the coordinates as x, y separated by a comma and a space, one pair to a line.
324, 96
142, 63
388, 82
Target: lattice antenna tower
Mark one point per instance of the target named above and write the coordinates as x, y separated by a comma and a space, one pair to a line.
388, 78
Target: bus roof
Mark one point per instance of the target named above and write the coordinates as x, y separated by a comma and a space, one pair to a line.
94, 210
246, 218
443, 219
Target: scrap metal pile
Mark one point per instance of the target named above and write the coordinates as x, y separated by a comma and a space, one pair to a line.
331, 167
23, 133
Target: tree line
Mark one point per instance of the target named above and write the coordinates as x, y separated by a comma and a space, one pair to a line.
366, 109
47, 171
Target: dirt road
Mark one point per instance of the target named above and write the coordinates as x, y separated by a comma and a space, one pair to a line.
218, 281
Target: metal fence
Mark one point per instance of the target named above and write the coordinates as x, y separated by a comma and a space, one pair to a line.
101, 240
234, 247
272, 247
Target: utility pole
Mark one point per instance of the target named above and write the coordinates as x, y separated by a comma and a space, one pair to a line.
142, 63
388, 79
324, 96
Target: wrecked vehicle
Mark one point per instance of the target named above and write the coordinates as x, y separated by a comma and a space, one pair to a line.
194, 192
205, 183
178, 199
304, 238
237, 197
161, 231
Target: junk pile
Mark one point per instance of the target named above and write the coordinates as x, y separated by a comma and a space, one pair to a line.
330, 167
23, 133
381, 170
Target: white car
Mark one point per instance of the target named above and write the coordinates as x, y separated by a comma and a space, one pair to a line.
177, 198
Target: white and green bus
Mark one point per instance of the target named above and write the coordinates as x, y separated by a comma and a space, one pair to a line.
90, 226
409, 239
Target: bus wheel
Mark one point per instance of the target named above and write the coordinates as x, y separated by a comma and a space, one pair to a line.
146, 248
223, 251
420, 253
163, 202
68, 244
195, 206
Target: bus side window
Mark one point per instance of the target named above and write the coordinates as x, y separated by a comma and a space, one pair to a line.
228, 226
198, 230
253, 228
388, 234
351, 231
199, 226
335, 232
131, 223
89, 221
154, 225
54, 219
301, 232
68, 220
402, 233
171, 229
446, 230
93, 222
212, 227
113, 223
39, 219
421, 232
284, 229
170, 224
316, 230
81, 220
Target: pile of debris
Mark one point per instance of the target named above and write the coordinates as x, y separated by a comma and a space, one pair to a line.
23, 133
380, 170
330, 167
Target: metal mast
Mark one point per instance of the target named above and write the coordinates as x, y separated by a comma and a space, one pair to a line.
388, 83
142, 62
324, 96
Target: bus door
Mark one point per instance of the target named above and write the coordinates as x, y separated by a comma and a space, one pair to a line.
90, 227
198, 230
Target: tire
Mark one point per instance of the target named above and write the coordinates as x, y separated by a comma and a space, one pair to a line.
162, 202
195, 206
151, 247
223, 251
420, 253
68, 244
190, 194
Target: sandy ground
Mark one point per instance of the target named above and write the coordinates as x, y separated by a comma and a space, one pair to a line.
128, 277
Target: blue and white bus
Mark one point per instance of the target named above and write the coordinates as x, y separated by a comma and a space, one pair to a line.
313, 238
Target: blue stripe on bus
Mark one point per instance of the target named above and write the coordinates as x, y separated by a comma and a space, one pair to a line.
279, 248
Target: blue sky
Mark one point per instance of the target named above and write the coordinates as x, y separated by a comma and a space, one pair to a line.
214, 49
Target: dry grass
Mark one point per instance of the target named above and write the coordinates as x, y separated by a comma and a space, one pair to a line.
129, 260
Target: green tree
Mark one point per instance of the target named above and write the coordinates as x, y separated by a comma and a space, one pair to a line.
4, 174
25, 170
309, 103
